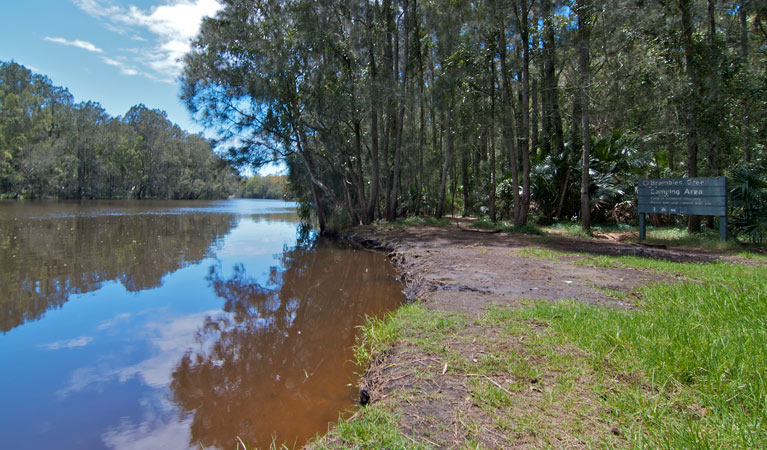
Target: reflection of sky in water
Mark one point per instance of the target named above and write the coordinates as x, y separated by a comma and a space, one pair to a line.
95, 208
103, 361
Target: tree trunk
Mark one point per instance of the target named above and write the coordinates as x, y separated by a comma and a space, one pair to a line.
391, 212
360, 177
465, 180
390, 126
491, 193
421, 129
715, 107
374, 147
551, 113
525, 128
693, 222
584, 37
745, 128
446, 164
508, 123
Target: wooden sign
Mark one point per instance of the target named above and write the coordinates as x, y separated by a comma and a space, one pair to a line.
691, 196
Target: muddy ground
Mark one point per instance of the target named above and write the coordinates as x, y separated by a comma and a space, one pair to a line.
461, 270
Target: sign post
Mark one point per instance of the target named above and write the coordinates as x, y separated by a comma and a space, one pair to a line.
691, 196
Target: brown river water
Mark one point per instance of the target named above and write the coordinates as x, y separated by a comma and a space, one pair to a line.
175, 325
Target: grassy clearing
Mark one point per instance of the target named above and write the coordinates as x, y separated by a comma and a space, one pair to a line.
574, 229
416, 221
543, 253
692, 361
753, 256
681, 237
485, 224
672, 236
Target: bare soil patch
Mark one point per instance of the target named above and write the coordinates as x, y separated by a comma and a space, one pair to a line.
471, 268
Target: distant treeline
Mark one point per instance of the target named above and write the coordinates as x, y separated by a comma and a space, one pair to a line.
270, 187
51, 146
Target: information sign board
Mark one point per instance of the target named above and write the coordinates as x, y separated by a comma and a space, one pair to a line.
692, 196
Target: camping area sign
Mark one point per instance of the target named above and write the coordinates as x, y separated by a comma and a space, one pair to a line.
692, 196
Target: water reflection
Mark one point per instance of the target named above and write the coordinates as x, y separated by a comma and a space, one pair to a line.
277, 364
144, 325
45, 260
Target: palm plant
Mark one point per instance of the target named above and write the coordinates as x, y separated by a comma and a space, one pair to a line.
747, 186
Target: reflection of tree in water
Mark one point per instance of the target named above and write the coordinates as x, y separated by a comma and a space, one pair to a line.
279, 362
44, 261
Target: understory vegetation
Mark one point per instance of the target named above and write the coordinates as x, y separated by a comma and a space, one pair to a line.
685, 369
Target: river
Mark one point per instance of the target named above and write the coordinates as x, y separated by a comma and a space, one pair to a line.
159, 324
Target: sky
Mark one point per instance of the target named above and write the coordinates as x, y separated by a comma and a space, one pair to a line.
118, 53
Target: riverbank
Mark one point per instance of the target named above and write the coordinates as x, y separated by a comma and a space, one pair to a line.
528, 341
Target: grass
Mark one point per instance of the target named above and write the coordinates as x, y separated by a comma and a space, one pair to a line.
543, 253
486, 224
374, 428
672, 236
681, 237
753, 256
412, 323
497, 375
574, 229
686, 369
692, 359
416, 221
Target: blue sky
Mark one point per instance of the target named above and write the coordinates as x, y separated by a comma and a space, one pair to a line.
115, 52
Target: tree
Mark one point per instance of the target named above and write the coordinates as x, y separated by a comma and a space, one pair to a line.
393, 107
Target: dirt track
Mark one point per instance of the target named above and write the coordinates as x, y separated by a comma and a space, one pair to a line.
489, 267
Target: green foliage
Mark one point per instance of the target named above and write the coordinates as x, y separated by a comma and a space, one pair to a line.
747, 185
52, 147
384, 110
269, 187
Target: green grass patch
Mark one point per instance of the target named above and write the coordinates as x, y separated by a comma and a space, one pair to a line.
568, 229
374, 428
673, 236
692, 360
543, 253
486, 224
681, 237
411, 323
753, 256
416, 221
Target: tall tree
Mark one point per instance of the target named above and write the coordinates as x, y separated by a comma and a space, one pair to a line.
583, 8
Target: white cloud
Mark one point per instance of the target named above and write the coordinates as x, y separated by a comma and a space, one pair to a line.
85, 45
114, 321
96, 9
124, 68
169, 340
81, 341
151, 432
172, 27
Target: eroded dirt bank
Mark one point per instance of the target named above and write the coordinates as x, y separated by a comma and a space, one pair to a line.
434, 375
